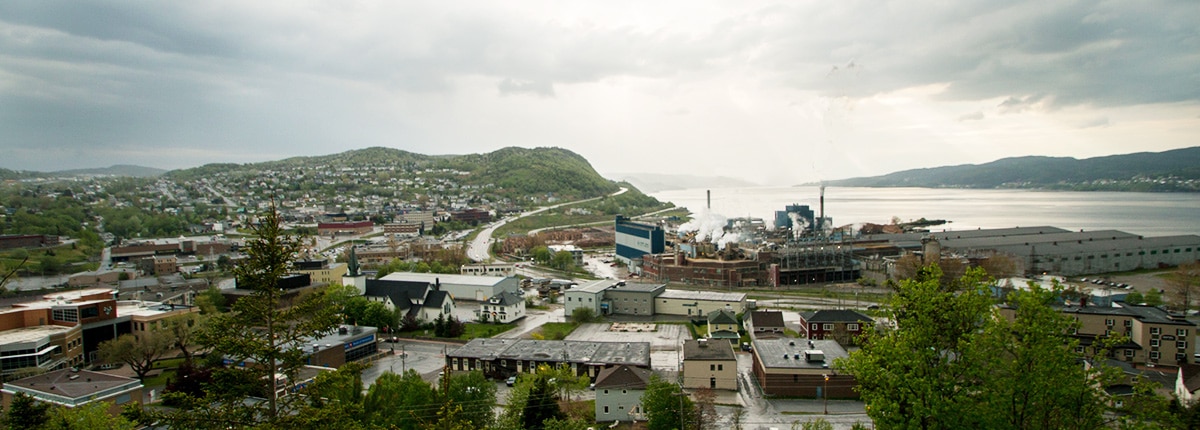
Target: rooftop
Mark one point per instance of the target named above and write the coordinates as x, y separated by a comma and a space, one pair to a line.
484, 281
638, 287
624, 377
26, 335
708, 350
703, 295
594, 286
570, 351
71, 387
834, 315
790, 353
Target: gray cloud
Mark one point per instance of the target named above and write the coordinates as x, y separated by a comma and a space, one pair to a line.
973, 116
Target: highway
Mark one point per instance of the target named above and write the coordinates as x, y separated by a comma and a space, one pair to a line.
480, 249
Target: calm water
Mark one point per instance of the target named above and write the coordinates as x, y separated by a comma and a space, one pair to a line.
1150, 214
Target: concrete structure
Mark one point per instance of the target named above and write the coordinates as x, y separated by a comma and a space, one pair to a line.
321, 271
1054, 250
159, 265
471, 216
501, 358
74, 388
709, 364
842, 325
489, 269
136, 250
713, 272
764, 324
462, 287
799, 368
502, 308
589, 295
698, 303
403, 229
100, 277
13, 241
619, 393
633, 298
635, 239
45, 347
723, 324
420, 300
576, 253
1156, 337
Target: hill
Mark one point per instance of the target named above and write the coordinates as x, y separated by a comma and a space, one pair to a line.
121, 170
1174, 170
513, 171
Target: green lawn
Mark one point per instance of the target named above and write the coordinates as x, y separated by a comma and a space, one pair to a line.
484, 330
556, 330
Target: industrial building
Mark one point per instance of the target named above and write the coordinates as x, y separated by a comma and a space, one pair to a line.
590, 295
698, 303
635, 239
608, 297
501, 358
633, 298
801, 368
1058, 251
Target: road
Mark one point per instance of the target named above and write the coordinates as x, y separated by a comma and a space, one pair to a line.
480, 248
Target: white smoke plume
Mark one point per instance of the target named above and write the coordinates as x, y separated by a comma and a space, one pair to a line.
798, 224
707, 225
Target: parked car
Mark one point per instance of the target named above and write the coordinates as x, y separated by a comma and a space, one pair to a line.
512, 380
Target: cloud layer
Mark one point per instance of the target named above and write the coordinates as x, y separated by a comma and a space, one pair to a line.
768, 91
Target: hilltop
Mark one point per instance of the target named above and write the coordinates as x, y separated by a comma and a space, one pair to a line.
1175, 170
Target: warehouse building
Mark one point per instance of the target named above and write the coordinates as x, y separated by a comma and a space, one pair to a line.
799, 368
501, 358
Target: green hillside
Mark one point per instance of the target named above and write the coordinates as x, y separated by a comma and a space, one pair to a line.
1175, 170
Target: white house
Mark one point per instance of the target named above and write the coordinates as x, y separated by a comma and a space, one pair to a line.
502, 308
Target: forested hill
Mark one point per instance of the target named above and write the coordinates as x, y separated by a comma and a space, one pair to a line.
511, 171
1175, 170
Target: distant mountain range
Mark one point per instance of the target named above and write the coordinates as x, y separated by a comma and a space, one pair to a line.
1174, 170
116, 170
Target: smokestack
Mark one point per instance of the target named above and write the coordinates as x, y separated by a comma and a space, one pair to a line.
821, 223
709, 193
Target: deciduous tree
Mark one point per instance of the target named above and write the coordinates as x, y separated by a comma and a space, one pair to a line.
139, 351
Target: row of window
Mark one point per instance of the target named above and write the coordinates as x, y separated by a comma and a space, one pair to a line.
827, 327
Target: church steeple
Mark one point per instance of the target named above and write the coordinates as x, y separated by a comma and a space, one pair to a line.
352, 269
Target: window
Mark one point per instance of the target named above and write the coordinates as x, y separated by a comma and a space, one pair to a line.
720, 367
1129, 353
624, 391
606, 409
828, 327
712, 367
852, 327
1128, 323
1153, 342
1155, 330
815, 326
1181, 332
1154, 355
1108, 322
605, 391
1181, 344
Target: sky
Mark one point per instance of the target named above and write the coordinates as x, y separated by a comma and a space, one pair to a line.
771, 92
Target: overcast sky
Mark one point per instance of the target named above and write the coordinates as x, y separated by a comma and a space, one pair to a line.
772, 92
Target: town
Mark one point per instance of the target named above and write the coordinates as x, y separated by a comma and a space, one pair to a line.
441, 274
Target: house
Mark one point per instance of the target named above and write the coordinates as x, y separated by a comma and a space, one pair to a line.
801, 368
709, 365
765, 324
1187, 384
723, 324
73, 388
462, 287
1155, 336
619, 393
843, 325
502, 308
420, 300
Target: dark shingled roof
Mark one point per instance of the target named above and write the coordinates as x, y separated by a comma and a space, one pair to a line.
834, 316
722, 316
761, 319
623, 377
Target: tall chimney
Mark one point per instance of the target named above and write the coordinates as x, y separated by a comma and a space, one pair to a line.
821, 222
709, 193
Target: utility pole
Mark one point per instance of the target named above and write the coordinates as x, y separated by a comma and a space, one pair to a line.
825, 393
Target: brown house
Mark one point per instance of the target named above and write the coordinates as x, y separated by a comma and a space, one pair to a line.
842, 325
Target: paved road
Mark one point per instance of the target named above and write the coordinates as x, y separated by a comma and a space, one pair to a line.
479, 249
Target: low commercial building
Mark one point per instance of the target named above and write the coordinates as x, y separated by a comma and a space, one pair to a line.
801, 368
101, 277
485, 269
589, 295
576, 253
619, 392
709, 365
345, 227
403, 229
633, 298
13, 241
321, 271
1156, 337
347, 344
73, 388
698, 303
501, 358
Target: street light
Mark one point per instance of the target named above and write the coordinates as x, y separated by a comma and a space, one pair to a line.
825, 393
